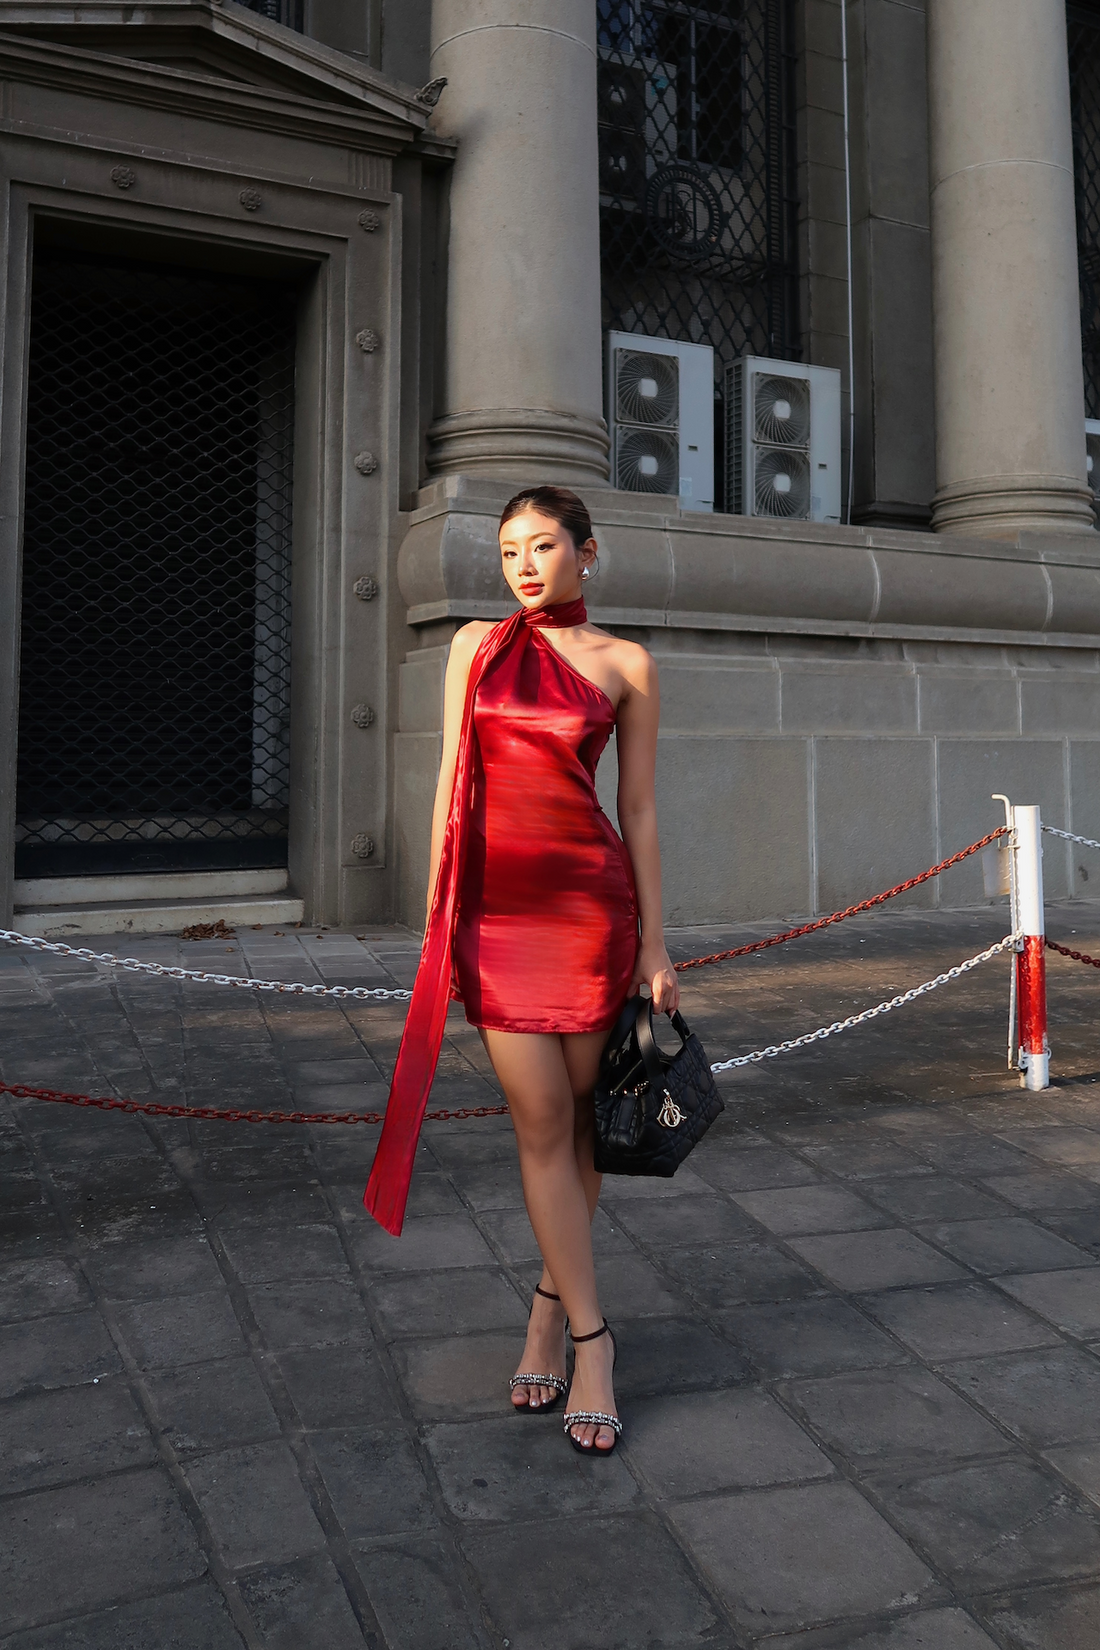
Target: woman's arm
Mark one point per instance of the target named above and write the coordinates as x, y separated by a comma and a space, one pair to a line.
636, 738
464, 645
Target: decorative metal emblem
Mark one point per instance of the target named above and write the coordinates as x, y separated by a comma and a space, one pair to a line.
365, 463
684, 211
370, 221
368, 340
362, 716
123, 177
362, 845
670, 1116
251, 199
365, 589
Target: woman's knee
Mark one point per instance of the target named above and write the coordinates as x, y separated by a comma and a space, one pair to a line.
544, 1126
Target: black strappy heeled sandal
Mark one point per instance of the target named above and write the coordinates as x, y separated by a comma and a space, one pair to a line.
558, 1382
594, 1417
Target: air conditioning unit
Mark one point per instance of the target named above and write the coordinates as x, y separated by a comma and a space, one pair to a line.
660, 416
1092, 461
783, 440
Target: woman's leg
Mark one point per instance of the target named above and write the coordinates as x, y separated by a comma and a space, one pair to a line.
538, 1073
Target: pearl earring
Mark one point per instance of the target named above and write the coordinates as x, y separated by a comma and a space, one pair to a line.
585, 574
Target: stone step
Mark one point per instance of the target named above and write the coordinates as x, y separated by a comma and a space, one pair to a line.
55, 922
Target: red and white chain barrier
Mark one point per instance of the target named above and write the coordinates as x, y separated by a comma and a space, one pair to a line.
1015, 940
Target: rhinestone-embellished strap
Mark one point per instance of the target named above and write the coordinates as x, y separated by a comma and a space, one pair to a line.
556, 1381
592, 1418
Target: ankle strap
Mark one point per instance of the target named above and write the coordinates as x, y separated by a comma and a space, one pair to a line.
595, 1335
546, 1295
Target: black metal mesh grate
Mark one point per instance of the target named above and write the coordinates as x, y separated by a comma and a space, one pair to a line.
1084, 73
697, 199
287, 12
155, 656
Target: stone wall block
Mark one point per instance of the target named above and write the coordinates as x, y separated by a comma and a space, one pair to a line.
896, 93
767, 574
451, 555
420, 692
904, 413
1084, 768
974, 702
849, 698
416, 760
712, 698
1060, 703
923, 588
635, 567
970, 771
1074, 597
874, 818
733, 817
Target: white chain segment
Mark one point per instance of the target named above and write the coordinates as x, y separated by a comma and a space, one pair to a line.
1068, 836
1008, 943
245, 982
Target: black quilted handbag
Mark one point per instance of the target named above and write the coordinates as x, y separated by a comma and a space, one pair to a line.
651, 1107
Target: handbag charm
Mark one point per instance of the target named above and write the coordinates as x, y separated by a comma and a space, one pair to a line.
670, 1116
652, 1108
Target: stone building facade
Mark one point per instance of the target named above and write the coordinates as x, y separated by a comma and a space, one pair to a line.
285, 321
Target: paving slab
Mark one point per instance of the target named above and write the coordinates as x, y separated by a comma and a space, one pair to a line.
856, 1332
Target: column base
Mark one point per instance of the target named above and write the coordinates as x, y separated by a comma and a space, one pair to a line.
1000, 507
520, 443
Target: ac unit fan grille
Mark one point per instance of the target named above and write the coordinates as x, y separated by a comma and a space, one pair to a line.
782, 483
647, 388
781, 411
647, 461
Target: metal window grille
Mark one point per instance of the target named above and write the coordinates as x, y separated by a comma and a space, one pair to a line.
287, 12
697, 155
155, 640
1084, 74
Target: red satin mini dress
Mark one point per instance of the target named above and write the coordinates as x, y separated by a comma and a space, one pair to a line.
546, 932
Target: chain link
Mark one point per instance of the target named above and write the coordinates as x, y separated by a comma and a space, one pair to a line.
152, 1108
246, 982
849, 911
1068, 836
1078, 956
1008, 943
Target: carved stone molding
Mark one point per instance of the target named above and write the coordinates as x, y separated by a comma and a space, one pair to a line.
365, 463
368, 340
123, 177
369, 221
362, 845
362, 716
365, 589
251, 199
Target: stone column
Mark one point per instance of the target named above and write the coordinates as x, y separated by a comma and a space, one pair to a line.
522, 391
1010, 438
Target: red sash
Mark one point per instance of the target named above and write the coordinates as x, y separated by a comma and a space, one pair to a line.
391, 1173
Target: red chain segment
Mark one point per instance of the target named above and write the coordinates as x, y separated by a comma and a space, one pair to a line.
839, 916
1078, 956
149, 1108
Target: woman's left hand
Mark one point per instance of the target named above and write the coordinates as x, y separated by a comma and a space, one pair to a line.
654, 968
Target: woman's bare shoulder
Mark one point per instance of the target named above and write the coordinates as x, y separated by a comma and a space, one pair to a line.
633, 662
467, 639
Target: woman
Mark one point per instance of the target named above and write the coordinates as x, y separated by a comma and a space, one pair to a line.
548, 919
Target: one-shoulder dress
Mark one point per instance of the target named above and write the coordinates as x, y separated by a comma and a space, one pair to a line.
546, 933
533, 917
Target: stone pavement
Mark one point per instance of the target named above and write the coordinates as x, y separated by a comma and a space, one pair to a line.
859, 1332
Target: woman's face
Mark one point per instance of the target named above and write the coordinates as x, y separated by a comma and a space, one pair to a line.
541, 563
